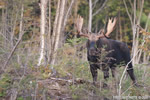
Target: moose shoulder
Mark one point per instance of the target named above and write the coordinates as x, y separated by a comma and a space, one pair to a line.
118, 51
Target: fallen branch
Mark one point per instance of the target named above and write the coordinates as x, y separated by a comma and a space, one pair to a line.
70, 81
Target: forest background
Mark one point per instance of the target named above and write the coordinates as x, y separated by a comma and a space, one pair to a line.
42, 58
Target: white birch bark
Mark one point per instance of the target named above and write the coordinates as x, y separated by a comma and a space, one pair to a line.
43, 5
49, 34
90, 16
55, 24
58, 32
54, 33
61, 16
58, 27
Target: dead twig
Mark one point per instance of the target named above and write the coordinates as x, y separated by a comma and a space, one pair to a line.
12, 52
70, 81
120, 83
14, 94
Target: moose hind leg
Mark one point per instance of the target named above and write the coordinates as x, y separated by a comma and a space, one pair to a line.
131, 72
130, 67
93, 70
114, 80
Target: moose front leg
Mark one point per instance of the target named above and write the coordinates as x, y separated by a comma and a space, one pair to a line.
93, 70
131, 74
114, 80
106, 75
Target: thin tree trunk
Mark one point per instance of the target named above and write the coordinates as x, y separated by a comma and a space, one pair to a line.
141, 51
76, 8
90, 16
20, 30
120, 27
145, 56
67, 15
54, 32
92, 13
135, 20
43, 6
136, 29
49, 34
59, 29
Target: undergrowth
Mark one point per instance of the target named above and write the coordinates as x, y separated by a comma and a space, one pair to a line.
71, 79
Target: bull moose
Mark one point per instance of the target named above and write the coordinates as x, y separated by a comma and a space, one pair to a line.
119, 51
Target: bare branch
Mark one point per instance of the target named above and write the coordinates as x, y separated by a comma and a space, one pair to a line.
12, 52
19, 40
68, 12
119, 90
94, 4
131, 4
90, 16
100, 9
128, 11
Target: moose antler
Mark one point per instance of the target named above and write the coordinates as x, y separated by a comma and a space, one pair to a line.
110, 26
79, 24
